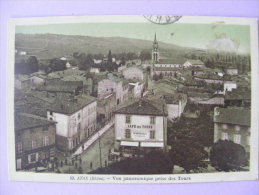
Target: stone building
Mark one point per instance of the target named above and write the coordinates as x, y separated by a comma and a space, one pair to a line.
115, 85
233, 124
34, 140
133, 73
141, 126
76, 120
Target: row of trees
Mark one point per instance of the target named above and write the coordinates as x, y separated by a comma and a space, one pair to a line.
224, 156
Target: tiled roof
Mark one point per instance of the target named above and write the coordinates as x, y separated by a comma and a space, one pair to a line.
34, 103
166, 69
175, 98
143, 107
196, 62
238, 116
170, 61
69, 106
28, 121
239, 94
61, 86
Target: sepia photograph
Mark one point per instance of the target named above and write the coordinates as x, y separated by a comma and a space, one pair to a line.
153, 98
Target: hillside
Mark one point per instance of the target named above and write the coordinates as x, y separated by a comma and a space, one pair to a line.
55, 45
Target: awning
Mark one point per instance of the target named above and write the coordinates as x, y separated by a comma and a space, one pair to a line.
127, 143
152, 144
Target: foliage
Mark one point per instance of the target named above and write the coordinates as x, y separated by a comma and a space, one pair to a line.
227, 156
188, 154
29, 66
145, 55
57, 65
199, 130
85, 61
155, 162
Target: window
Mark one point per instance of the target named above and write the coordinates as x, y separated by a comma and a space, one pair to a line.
51, 113
152, 134
46, 141
224, 136
19, 147
237, 138
237, 127
152, 120
79, 126
33, 144
224, 126
45, 128
33, 158
128, 119
78, 116
127, 133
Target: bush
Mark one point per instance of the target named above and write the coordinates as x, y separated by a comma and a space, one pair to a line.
228, 156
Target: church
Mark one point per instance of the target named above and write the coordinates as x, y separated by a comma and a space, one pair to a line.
164, 66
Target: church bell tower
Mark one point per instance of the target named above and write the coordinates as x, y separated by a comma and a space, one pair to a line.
155, 52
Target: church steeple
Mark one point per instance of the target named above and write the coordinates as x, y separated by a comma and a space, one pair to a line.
155, 52
155, 44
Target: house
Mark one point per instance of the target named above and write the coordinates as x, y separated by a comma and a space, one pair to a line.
175, 105
87, 82
137, 89
105, 108
193, 63
61, 87
95, 70
233, 124
232, 70
75, 118
229, 86
22, 53
209, 78
34, 140
141, 126
240, 97
122, 67
133, 73
113, 84
22, 82
35, 102
37, 80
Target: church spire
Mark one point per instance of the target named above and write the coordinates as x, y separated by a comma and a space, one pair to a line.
155, 52
155, 44
155, 39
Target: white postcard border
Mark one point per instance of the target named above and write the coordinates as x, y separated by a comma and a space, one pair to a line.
86, 178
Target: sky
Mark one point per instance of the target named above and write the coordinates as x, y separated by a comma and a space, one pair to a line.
190, 35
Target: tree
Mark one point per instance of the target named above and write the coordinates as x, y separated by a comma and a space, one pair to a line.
145, 55
57, 64
188, 154
29, 66
32, 64
85, 61
155, 162
227, 156
111, 66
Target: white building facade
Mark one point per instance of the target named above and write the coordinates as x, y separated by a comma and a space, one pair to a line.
139, 131
75, 126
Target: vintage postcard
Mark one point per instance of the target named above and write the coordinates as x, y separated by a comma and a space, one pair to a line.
133, 99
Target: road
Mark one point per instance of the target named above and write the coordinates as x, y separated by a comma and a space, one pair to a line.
92, 154
98, 134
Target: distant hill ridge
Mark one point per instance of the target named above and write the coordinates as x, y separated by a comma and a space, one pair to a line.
56, 45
